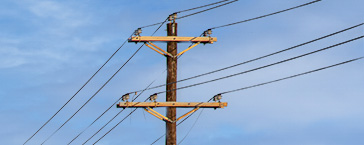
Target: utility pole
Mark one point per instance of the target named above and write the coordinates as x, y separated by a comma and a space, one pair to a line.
171, 88
171, 95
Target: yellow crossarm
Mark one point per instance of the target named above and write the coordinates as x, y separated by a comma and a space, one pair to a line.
172, 39
172, 104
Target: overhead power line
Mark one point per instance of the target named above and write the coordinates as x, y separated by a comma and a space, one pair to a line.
258, 58
293, 76
95, 93
207, 9
265, 83
240, 73
266, 15
77, 92
193, 125
113, 103
185, 16
115, 126
261, 84
202, 6
94, 121
184, 119
116, 116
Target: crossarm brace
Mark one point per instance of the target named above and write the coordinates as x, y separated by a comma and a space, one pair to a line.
164, 118
188, 48
161, 51
156, 114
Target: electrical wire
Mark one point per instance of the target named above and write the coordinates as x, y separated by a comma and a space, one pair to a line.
77, 91
114, 103
115, 126
207, 9
94, 121
185, 16
316, 51
258, 58
177, 125
191, 127
94, 94
304, 54
293, 76
201, 6
261, 84
117, 114
266, 15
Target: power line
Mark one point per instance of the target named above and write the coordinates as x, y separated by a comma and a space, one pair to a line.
177, 125
207, 9
293, 76
266, 15
202, 6
261, 84
76, 92
94, 121
114, 103
194, 13
95, 93
191, 127
115, 125
329, 47
258, 58
116, 115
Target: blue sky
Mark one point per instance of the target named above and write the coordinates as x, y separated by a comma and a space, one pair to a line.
50, 48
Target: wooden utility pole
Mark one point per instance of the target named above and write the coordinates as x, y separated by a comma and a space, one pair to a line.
171, 95
171, 88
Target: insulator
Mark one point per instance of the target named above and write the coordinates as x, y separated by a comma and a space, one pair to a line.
217, 97
136, 33
205, 33
170, 18
209, 31
125, 97
139, 30
175, 16
153, 97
